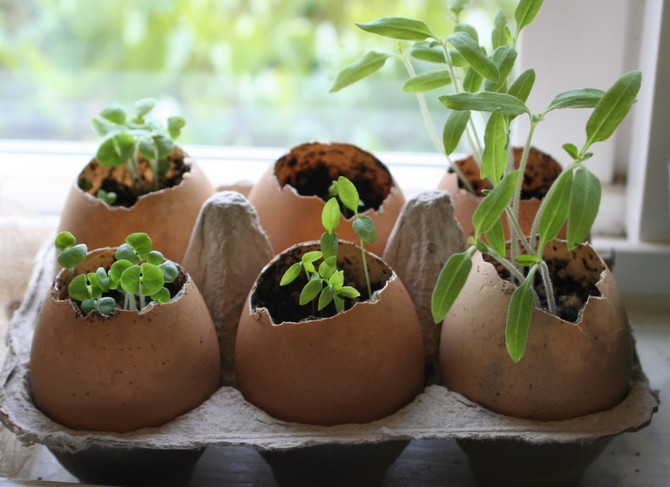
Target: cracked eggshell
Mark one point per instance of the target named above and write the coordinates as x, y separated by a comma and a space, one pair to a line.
167, 215
128, 371
568, 370
541, 171
355, 367
289, 218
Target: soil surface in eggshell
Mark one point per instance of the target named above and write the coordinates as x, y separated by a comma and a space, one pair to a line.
571, 292
282, 302
95, 177
541, 172
312, 167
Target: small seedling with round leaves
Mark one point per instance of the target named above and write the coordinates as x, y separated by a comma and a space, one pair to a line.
139, 275
127, 136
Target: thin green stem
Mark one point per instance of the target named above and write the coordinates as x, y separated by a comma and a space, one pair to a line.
365, 269
514, 223
516, 273
548, 286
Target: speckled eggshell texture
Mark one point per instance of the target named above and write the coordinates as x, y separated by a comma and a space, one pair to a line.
167, 215
290, 218
568, 370
357, 366
125, 372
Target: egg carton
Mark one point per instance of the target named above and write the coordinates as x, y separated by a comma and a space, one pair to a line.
167, 454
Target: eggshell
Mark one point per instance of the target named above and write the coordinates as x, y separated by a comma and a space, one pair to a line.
124, 372
290, 218
541, 171
167, 215
568, 370
357, 366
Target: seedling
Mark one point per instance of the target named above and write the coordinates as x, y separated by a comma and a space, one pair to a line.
326, 282
108, 197
489, 86
127, 137
137, 275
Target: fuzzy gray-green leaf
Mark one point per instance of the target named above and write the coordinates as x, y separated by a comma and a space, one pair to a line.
429, 54
584, 204
362, 68
499, 33
525, 13
504, 58
583, 98
453, 129
485, 102
522, 86
493, 205
401, 28
496, 237
475, 55
428, 81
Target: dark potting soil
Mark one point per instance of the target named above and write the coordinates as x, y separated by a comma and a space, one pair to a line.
570, 293
117, 180
311, 168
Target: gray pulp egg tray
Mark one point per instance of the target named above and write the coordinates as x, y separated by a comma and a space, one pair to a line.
227, 419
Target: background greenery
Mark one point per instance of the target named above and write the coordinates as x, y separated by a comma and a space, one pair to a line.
253, 72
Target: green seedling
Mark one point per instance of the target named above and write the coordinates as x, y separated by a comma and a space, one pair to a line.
138, 275
325, 282
488, 84
126, 137
108, 197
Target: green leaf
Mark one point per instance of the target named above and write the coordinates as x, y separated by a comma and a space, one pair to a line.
493, 205
310, 291
88, 305
457, 6
162, 296
453, 129
519, 315
170, 270
472, 81
496, 237
522, 86
526, 260
362, 68
348, 292
554, 209
612, 108
72, 256
499, 35
325, 297
116, 271
114, 114
155, 257
468, 29
291, 274
485, 102
125, 252
174, 126
348, 194
427, 81
311, 256
449, 283
64, 240
474, 55
428, 54
584, 98
79, 289
106, 306
147, 148
525, 13
143, 106
572, 150
336, 279
494, 158
401, 28
584, 204
164, 145
327, 268
116, 149
130, 279
329, 245
365, 228
330, 215
102, 126
151, 279
141, 243
103, 279
504, 58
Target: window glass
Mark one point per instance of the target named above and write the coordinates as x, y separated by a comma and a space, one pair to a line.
250, 73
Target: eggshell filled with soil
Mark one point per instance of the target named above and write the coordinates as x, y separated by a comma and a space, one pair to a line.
290, 195
541, 171
572, 366
354, 367
124, 372
168, 215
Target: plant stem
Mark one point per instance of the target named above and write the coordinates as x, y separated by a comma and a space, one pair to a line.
516, 201
514, 223
516, 273
548, 286
365, 269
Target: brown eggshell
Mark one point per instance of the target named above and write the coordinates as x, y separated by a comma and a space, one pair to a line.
357, 366
568, 370
128, 371
541, 170
167, 215
290, 218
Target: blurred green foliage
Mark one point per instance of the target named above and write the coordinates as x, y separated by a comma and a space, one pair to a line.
254, 72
